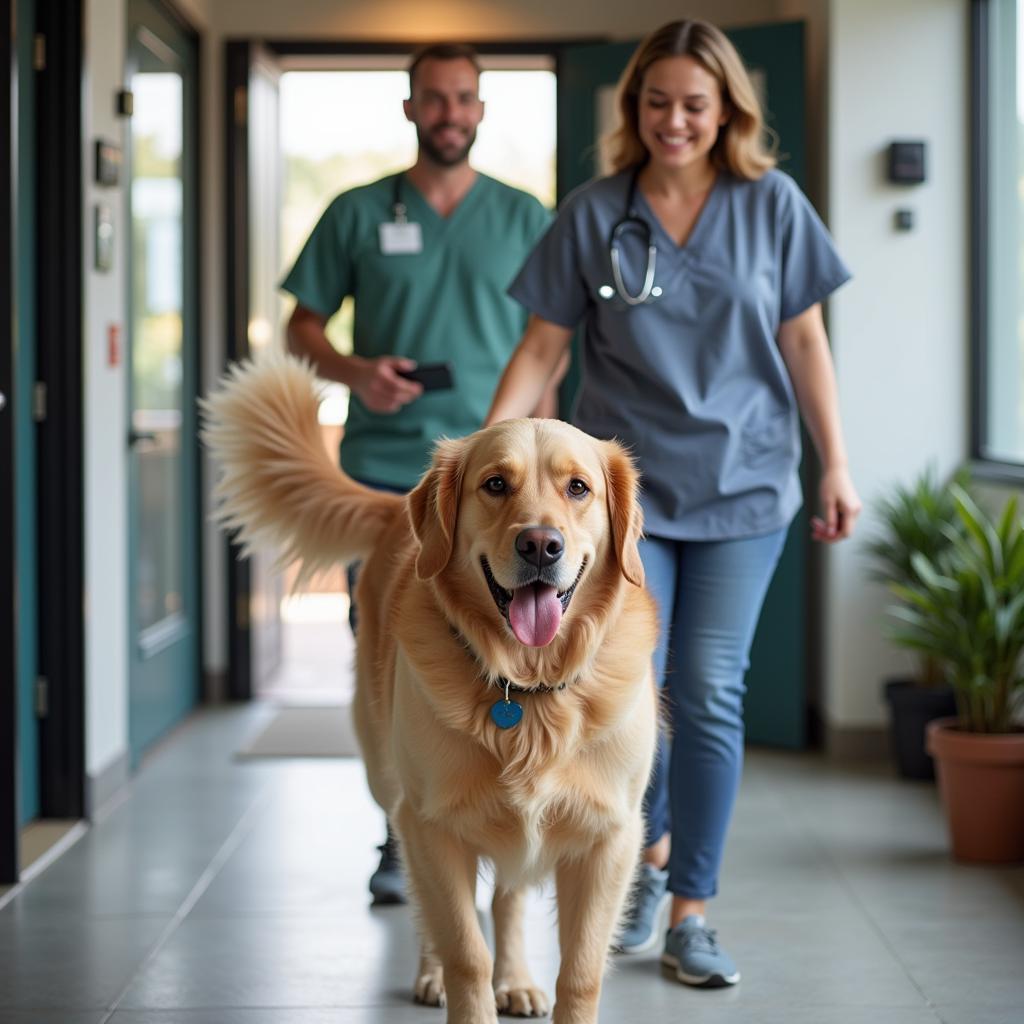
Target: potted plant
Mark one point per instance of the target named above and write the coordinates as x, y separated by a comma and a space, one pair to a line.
966, 609
915, 518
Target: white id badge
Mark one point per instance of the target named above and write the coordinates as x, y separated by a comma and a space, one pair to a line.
397, 239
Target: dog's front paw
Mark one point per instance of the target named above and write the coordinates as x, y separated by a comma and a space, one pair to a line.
429, 987
521, 999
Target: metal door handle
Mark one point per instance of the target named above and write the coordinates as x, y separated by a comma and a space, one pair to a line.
3, 401
135, 436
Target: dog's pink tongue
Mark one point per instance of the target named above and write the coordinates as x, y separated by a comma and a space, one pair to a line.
535, 614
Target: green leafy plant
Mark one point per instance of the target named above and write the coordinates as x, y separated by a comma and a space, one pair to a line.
916, 519
965, 609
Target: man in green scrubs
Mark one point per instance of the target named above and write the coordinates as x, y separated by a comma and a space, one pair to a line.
427, 255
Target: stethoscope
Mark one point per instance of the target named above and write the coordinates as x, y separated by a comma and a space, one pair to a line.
649, 290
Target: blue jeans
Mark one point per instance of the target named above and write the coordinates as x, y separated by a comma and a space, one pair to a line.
353, 570
709, 596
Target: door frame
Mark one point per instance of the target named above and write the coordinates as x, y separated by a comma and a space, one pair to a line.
238, 56
60, 452
8, 626
59, 455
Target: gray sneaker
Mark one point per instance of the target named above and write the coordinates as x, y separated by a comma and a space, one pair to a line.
387, 883
692, 951
647, 900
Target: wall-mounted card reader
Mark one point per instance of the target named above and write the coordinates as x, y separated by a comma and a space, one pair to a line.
906, 162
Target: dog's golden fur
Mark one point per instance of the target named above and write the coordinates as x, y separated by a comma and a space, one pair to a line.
560, 792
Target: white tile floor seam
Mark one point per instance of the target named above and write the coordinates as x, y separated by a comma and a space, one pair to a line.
229, 846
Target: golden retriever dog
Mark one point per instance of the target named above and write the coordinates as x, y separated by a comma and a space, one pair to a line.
505, 704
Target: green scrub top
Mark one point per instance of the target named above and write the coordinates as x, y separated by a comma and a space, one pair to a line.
446, 303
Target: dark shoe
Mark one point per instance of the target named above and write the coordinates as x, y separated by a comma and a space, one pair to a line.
387, 883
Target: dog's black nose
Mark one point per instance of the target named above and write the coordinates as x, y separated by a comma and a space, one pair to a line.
540, 545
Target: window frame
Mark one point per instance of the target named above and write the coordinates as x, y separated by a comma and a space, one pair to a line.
983, 465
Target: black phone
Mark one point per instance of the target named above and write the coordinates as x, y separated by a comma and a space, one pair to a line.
433, 376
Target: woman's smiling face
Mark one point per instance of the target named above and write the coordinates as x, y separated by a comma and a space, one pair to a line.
680, 111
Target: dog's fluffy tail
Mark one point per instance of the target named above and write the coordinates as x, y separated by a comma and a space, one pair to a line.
278, 487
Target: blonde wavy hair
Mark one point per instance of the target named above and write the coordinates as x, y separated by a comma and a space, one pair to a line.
740, 147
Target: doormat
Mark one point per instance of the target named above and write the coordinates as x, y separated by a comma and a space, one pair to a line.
306, 732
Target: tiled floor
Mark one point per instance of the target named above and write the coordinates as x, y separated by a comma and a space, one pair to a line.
228, 892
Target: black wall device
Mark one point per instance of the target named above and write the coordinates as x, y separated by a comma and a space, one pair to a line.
906, 162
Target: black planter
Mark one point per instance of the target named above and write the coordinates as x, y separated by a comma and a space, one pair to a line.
913, 707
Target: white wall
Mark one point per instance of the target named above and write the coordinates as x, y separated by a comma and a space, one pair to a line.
897, 69
106, 556
105, 402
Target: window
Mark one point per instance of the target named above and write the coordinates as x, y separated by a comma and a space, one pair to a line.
998, 227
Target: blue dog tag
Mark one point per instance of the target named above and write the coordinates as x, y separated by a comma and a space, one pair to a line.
506, 713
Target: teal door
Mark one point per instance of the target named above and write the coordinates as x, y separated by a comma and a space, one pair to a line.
25, 428
162, 357
776, 703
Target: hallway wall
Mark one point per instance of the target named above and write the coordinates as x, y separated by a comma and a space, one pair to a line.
106, 481
106, 392
900, 330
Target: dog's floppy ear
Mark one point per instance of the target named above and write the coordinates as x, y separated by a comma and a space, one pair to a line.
434, 508
624, 511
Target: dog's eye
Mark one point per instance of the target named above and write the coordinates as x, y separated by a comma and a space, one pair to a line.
495, 485
577, 488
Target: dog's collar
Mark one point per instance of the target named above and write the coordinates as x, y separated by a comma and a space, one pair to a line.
503, 684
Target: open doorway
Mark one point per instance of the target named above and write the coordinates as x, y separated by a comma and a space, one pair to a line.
365, 138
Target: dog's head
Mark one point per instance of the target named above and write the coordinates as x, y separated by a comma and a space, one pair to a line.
528, 515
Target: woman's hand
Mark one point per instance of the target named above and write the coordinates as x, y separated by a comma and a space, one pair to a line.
804, 347
538, 363
840, 506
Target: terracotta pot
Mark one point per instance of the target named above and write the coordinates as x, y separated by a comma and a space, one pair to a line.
981, 779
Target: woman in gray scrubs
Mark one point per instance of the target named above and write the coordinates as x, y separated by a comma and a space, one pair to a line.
698, 272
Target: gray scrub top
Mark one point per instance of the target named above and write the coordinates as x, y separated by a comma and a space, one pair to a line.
692, 381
